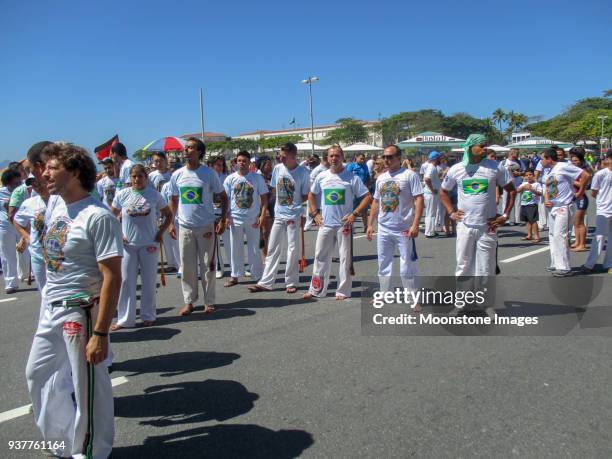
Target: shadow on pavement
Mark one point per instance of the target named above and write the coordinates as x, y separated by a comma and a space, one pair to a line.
222, 312
176, 364
133, 335
187, 403
224, 440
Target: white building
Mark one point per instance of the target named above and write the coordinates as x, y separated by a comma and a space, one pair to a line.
319, 133
520, 136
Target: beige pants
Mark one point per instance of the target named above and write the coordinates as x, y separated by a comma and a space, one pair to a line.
196, 249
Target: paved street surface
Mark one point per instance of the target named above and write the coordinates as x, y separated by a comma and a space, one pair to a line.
270, 375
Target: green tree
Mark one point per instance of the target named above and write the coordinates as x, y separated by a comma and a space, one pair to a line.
578, 122
462, 125
349, 131
141, 155
406, 124
277, 142
499, 117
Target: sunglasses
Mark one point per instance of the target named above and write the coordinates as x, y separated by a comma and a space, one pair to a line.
389, 157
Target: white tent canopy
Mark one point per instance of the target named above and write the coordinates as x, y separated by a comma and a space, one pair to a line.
307, 146
538, 143
362, 147
495, 148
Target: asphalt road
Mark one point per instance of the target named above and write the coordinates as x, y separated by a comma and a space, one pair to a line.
270, 375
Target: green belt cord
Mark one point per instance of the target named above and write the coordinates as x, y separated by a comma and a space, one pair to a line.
88, 444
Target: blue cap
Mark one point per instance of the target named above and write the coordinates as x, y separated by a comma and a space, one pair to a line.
434, 155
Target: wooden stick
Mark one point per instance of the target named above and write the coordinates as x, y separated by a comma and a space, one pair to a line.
161, 256
303, 262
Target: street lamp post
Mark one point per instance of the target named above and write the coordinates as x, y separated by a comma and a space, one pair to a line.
309, 81
601, 139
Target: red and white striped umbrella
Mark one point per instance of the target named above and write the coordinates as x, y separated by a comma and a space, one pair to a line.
166, 144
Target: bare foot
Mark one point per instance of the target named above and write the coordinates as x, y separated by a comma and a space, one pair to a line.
186, 309
148, 323
115, 327
208, 309
231, 282
307, 296
291, 290
341, 297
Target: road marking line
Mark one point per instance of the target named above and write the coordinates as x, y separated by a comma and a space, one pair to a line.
7, 299
525, 255
27, 409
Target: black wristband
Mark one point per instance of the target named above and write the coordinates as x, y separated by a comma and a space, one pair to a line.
98, 333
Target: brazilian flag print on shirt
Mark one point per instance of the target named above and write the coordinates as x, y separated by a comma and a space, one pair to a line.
334, 196
191, 194
475, 186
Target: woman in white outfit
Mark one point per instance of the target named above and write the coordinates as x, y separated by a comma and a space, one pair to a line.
30, 223
139, 206
11, 179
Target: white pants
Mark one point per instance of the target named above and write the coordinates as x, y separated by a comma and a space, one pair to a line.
603, 231
440, 214
237, 236
431, 211
387, 242
143, 257
58, 350
8, 242
476, 250
514, 216
39, 270
285, 234
171, 250
23, 264
543, 212
326, 241
559, 226
196, 249
227, 248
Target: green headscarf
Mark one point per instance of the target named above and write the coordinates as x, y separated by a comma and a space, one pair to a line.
473, 139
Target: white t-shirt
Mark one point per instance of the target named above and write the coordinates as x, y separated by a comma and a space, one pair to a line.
602, 181
544, 171
244, 194
195, 189
338, 192
290, 186
166, 193
370, 165
32, 213
139, 210
157, 179
511, 165
5, 224
78, 236
560, 183
106, 188
476, 185
124, 174
217, 199
530, 197
396, 192
430, 171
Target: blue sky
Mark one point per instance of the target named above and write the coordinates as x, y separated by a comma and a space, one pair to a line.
83, 71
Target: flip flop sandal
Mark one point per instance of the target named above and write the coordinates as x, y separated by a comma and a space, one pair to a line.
186, 310
209, 309
291, 290
257, 288
116, 327
526, 238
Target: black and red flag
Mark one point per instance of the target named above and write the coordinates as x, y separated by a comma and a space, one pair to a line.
104, 150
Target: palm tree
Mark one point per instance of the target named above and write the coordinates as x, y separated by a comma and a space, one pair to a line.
498, 117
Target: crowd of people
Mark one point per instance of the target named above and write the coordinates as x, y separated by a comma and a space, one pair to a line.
85, 236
